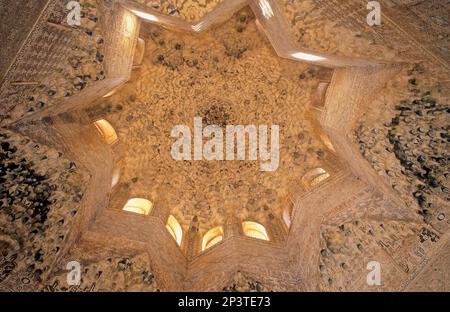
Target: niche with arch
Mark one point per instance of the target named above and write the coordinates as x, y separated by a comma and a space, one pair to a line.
107, 131
320, 94
116, 177
315, 177
174, 228
287, 217
138, 205
326, 140
255, 230
212, 237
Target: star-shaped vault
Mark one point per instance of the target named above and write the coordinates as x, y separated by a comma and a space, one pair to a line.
292, 257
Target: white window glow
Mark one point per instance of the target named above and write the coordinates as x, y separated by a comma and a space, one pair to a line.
307, 57
147, 16
266, 8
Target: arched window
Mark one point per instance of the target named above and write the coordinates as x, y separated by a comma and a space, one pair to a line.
212, 237
255, 230
139, 206
315, 177
107, 131
116, 177
319, 96
287, 217
175, 229
139, 53
129, 24
327, 142
110, 93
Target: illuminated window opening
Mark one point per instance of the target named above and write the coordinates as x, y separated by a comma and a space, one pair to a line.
138, 205
116, 177
146, 16
315, 177
107, 131
110, 93
139, 52
287, 218
319, 179
212, 237
255, 230
319, 96
113, 91
266, 8
327, 142
175, 229
307, 57
130, 24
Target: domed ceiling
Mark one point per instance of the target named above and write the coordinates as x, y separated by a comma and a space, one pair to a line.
228, 76
373, 125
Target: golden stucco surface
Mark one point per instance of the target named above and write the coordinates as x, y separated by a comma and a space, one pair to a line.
228, 76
